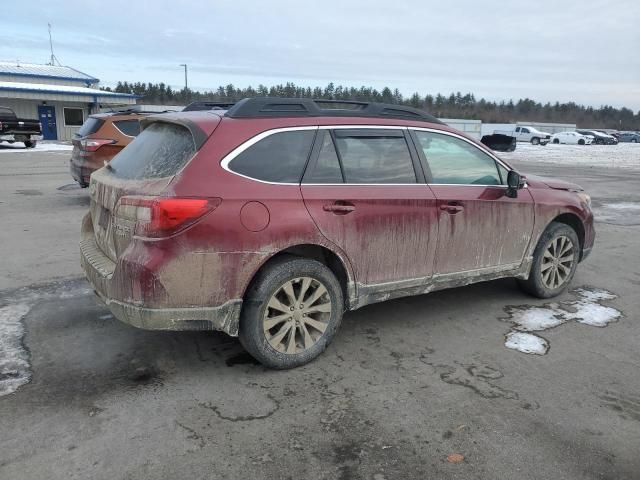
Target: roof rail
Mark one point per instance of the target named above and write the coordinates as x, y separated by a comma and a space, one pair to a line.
194, 106
132, 111
260, 107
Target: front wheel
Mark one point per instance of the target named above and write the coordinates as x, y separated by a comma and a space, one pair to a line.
633, 140
556, 141
30, 144
554, 262
291, 312
581, 142
535, 141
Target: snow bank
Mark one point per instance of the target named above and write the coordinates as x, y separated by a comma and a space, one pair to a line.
40, 147
15, 370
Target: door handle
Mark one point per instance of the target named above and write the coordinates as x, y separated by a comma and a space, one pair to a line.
339, 208
452, 209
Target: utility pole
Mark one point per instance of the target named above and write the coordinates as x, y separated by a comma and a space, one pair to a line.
54, 59
186, 85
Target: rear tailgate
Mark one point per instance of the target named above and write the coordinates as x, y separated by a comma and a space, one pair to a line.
145, 168
20, 127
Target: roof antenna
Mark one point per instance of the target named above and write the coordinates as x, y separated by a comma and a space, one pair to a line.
54, 59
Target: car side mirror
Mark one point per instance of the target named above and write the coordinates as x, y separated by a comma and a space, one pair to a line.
514, 183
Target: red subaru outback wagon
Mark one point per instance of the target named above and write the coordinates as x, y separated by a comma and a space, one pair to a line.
273, 218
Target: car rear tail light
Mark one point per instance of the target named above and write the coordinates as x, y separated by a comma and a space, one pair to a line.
93, 144
157, 217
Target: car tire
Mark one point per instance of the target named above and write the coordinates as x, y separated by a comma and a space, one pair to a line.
633, 140
273, 308
556, 141
555, 260
30, 144
535, 141
581, 141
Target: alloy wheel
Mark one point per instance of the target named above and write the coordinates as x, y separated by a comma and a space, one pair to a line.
557, 262
297, 315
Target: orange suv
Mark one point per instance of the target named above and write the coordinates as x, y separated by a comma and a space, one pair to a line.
101, 137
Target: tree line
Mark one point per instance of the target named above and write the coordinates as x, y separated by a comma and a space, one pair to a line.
455, 105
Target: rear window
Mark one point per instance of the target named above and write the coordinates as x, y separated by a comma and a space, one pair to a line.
159, 151
280, 157
92, 125
130, 128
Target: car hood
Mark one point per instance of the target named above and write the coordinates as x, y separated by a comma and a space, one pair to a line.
536, 181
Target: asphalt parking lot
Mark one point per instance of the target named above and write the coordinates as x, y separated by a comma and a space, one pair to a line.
406, 383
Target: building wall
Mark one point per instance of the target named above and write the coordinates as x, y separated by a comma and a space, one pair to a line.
29, 109
44, 80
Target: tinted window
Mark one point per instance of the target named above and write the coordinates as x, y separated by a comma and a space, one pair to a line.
525, 130
455, 161
90, 126
6, 112
378, 159
73, 117
327, 168
159, 151
280, 157
128, 127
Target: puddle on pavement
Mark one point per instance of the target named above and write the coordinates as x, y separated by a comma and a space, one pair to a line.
618, 213
29, 192
15, 364
588, 309
69, 186
242, 358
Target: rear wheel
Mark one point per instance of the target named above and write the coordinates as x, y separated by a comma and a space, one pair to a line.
291, 313
535, 141
554, 262
581, 141
556, 141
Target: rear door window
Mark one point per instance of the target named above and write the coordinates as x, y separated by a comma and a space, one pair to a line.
280, 157
131, 128
161, 150
327, 167
453, 161
380, 157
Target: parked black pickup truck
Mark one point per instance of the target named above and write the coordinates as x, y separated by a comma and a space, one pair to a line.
14, 129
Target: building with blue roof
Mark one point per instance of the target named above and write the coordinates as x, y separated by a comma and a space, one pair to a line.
60, 97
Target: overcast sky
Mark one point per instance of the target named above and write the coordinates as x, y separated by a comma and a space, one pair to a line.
569, 50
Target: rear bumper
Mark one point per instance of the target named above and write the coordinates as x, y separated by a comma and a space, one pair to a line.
20, 137
223, 318
109, 284
80, 174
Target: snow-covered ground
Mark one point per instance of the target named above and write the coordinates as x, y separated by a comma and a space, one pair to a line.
588, 310
42, 146
623, 155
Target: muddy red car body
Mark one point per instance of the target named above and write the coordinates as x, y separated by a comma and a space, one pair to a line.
190, 249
